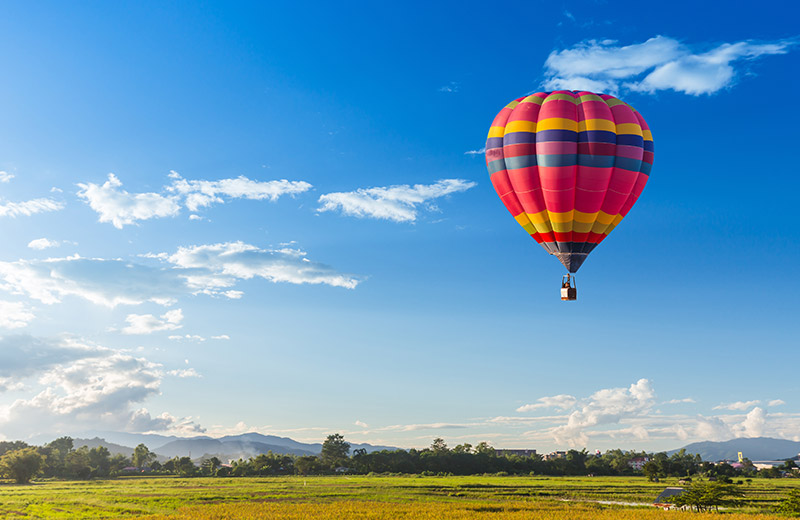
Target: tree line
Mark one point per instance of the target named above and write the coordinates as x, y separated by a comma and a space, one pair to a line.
60, 459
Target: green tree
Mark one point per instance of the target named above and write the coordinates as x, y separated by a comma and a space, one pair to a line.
21, 465
142, 456
6, 446
334, 451
100, 461
209, 466
306, 465
438, 446
703, 496
483, 448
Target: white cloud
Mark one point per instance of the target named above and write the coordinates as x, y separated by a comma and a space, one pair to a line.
479, 151
754, 423
776, 402
121, 208
216, 266
6, 177
187, 337
204, 269
43, 243
30, 207
660, 63
681, 401
738, 405
199, 193
604, 407
397, 203
103, 282
361, 424
184, 373
14, 315
81, 387
563, 402
450, 88
147, 323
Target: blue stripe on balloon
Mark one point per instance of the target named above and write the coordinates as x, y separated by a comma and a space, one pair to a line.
597, 136
630, 140
519, 138
556, 135
521, 161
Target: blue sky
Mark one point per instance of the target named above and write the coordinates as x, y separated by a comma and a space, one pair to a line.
222, 217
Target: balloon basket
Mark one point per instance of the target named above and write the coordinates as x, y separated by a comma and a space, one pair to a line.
569, 291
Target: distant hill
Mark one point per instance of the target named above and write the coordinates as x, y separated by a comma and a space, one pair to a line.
246, 445
228, 447
114, 449
756, 448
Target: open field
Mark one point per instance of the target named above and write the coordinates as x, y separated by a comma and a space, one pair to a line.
378, 497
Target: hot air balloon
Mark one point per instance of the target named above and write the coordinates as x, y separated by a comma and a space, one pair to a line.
569, 165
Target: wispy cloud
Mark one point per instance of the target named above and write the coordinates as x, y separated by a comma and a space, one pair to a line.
450, 88
563, 402
14, 315
738, 405
397, 203
6, 177
361, 424
479, 151
660, 63
184, 373
681, 401
201, 193
147, 323
29, 207
121, 208
214, 267
776, 402
103, 282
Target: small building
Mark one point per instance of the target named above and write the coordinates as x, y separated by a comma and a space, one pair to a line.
662, 499
521, 453
638, 463
556, 455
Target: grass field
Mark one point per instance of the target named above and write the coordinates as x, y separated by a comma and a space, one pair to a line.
379, 497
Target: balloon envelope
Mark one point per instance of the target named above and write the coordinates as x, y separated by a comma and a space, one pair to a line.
569, 165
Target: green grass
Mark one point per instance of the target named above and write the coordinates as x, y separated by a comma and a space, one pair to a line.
135, 496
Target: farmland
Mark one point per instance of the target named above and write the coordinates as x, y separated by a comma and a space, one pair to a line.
377, 497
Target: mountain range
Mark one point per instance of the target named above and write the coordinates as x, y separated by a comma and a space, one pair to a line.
755, 448
225, 448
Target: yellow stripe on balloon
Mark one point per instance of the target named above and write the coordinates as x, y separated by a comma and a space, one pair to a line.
597, 124
561, 97
629, 128
648, 136
590, 97
497, 131
533, 99
585, 218
562, 227
604, 218
557, 123
582, 227
566, 216
520, 126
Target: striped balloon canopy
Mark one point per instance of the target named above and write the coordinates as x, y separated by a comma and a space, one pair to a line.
569, 165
